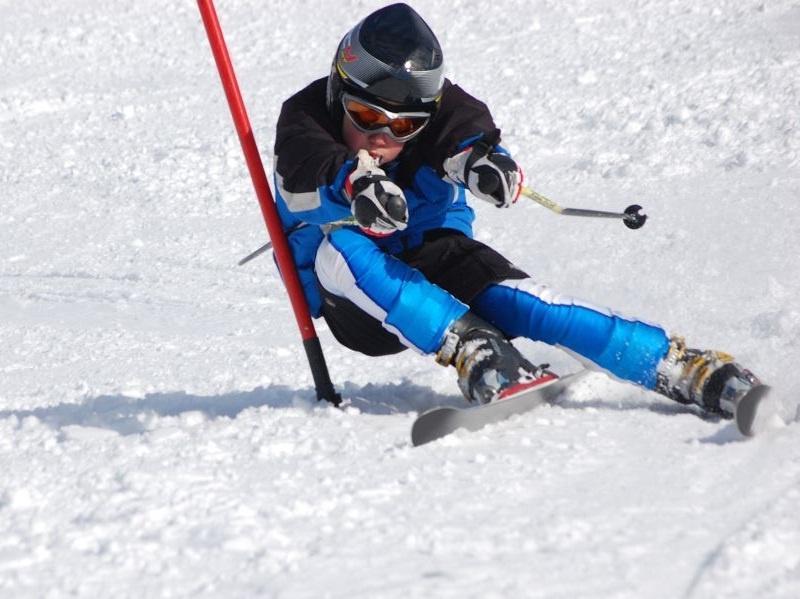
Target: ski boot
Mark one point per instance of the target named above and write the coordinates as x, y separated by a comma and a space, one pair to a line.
709, 379
489, 367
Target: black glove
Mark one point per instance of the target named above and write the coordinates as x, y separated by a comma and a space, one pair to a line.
376, 201
489, 175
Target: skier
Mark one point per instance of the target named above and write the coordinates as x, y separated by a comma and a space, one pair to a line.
387, 140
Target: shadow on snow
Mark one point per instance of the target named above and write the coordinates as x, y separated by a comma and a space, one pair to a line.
129, 415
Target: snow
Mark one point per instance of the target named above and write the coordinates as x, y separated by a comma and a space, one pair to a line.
159, 434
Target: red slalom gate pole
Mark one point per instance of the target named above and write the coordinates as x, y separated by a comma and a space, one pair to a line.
313, 348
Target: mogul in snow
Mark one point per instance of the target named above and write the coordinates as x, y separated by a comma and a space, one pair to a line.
387, 140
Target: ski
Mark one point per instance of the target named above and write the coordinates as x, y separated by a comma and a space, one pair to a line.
747, 408
441, 421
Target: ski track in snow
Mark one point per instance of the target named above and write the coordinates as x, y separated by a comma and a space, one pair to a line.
159, 435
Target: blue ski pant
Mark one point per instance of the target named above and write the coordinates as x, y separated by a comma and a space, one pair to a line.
350, 265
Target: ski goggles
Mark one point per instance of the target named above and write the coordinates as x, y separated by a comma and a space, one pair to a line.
371, 118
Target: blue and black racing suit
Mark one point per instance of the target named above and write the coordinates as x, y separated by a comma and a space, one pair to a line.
381, 295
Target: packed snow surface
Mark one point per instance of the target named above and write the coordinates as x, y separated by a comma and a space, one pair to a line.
159, 432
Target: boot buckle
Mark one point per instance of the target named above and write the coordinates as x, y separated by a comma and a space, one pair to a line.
447, 351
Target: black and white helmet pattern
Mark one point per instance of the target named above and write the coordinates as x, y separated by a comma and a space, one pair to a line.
391, 58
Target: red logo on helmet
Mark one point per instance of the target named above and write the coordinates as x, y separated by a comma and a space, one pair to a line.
347, 55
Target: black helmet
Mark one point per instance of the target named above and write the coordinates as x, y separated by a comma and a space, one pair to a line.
391, 58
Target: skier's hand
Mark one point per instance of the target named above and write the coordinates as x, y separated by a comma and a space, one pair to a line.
489, 175
375, 200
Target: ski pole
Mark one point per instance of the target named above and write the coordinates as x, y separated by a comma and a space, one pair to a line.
255, 254
268, 245
313, 348
632, 218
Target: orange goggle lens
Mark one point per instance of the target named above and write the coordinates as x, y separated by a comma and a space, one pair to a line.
370, 118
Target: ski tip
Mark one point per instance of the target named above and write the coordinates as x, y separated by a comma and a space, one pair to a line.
425, 429
747, 409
